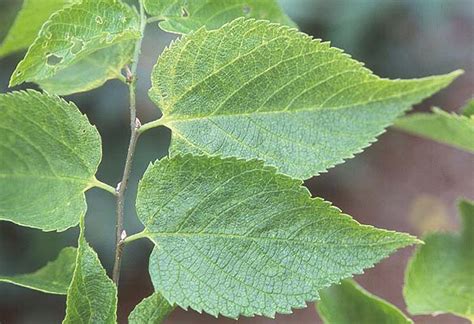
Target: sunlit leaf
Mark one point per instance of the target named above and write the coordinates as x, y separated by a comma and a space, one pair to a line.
28, 22
252, 89
235, 238
440, 276
184, 16
441, 126
81, 39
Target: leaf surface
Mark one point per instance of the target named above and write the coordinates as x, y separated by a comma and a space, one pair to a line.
440, 277
81, 38
184, 16
349, 303
468, 110
448, 128
49, 156
235, 238
28, 22
92, 296
151, 310
252, 89
54, 278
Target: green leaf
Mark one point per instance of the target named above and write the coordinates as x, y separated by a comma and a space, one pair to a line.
184, 16
252, 89
54, 278
91, 72
49, 156
448, 128
82, 36
439, 277
151, 310
468, 110
349, 303
92, 296
31, 17
235, 238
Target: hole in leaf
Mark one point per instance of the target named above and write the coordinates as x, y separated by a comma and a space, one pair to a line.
77, 45
109, 38
246, 10
54, 59
99, 20
184, 12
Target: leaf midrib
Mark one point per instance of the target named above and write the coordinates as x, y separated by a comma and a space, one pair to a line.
153, 235
169, 120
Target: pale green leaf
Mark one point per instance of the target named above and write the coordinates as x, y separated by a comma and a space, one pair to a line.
252, 89
349, 303
49, 156
91, 72
92, 296
151, 310
235, 238
184, 16
31, 17
468, 110
70, 41
448, 128
54, 278
440, 276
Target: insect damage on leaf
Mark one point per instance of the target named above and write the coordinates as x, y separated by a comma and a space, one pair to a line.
183, 16
80, 47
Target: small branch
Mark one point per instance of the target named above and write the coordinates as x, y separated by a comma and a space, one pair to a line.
135, 124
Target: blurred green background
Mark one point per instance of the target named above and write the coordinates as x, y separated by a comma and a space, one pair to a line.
401, 182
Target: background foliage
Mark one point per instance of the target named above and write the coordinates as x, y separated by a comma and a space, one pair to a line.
402, 182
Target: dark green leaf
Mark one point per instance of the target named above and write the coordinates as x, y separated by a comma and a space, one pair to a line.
349, 303
54, 278
49, 156
151, 310
92, 296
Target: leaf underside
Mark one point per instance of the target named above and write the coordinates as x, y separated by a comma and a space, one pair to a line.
91, 38
28, 22
349, 303
253, 89
235, 238
439, 277
151, 310
54, 278
49, 156
184, 16
448, 128
92, 296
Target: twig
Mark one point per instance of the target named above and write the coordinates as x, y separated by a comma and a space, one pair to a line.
135, 124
